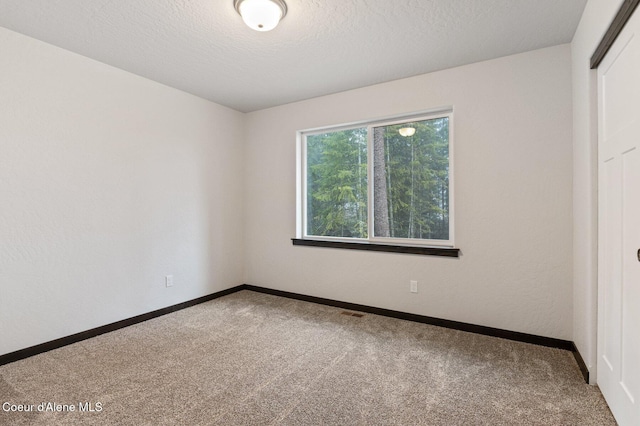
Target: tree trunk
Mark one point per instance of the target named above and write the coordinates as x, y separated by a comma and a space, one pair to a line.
389, 192
412, 202
380, 210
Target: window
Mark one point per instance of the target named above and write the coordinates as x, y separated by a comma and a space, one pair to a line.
386, 182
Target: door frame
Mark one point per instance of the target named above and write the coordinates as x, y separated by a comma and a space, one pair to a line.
620, 20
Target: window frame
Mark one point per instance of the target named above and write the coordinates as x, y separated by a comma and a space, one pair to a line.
301, 181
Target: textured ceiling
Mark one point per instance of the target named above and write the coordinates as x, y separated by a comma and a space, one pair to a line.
320, 47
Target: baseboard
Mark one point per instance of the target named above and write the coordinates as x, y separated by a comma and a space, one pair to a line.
456, 325
478, 329
83, 335
581, 364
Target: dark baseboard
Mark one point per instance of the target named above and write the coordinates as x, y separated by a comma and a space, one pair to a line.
581, 364
456, 325
83, 335
463, 326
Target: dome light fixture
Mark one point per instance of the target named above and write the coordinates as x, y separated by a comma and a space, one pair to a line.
407, 131
261, 15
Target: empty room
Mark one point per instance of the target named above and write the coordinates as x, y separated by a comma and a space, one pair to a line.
306, 212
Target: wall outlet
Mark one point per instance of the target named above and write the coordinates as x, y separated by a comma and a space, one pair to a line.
413, 286
168, 280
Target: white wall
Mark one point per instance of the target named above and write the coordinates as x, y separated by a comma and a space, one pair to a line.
597, 17
108, 182
513, 158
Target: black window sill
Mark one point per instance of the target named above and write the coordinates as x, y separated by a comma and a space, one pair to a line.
426, 251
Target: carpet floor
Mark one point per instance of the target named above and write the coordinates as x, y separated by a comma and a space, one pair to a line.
255, 359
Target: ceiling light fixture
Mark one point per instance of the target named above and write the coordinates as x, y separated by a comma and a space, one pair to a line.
261, 15
407, 131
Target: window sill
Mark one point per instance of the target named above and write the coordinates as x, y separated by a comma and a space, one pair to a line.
426, 251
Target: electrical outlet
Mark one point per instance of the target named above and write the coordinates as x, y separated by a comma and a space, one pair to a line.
168, 280
413, 286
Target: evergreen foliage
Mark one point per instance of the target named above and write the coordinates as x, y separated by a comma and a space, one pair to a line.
337, 184
410, 172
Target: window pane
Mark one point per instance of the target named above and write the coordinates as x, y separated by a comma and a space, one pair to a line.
411, 180
337, 184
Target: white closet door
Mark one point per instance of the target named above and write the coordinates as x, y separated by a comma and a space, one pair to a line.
619, 225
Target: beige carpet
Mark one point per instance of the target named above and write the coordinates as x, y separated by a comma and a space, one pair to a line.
255, 359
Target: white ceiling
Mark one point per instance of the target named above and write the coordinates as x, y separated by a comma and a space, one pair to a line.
320, 47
